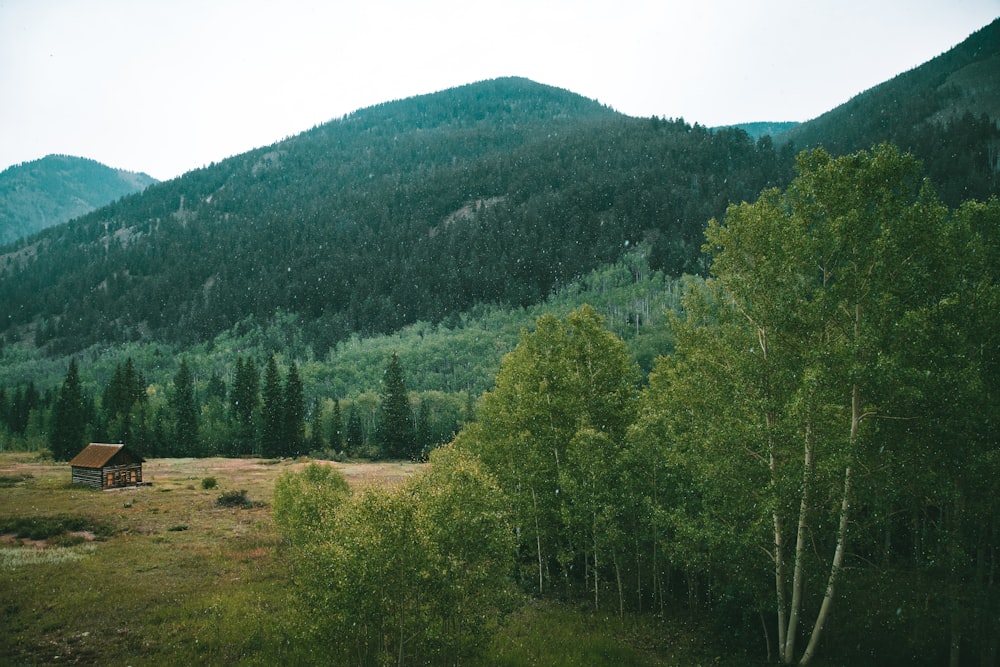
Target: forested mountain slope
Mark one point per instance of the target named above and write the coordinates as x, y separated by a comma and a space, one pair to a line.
47, 192
495, 192
945, 112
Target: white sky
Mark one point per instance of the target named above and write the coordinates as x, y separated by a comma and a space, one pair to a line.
165, 86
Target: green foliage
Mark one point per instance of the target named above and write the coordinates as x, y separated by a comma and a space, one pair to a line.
947, 121
304, 503
395, 433
273, 428
209, 483
794, 386
234, 499
57, 188
564, 379
69, 417
184, 409
48, 527
416, 572
293, 436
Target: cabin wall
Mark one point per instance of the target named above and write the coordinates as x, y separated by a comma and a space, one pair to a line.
122, 475
87, 476
109, 477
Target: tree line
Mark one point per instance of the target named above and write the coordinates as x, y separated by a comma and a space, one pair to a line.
446, 366
260, 414
814, 464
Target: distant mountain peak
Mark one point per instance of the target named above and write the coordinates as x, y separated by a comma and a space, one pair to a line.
57, 188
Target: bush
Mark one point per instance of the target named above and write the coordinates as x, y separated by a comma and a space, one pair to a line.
209, 483
429, 558
305, 502
234, 499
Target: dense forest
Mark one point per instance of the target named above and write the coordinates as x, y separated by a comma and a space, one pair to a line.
129, 394
413, 210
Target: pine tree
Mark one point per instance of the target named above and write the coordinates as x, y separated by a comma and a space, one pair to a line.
126, 388
69, 425
244, 403
317, 440
293, 414
395, 432
273, 411
185, 412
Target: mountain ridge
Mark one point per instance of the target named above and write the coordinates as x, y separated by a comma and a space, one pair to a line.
946, 111
344, 223
54, 189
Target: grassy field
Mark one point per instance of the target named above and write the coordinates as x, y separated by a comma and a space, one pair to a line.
162, 574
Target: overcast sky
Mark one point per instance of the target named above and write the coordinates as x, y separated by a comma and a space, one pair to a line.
168, 86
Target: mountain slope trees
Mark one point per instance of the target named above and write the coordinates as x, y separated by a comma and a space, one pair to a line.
497, 192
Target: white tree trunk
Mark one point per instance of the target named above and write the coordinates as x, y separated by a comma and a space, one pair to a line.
835, 568
788, 654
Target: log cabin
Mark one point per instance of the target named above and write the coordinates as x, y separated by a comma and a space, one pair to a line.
107, 466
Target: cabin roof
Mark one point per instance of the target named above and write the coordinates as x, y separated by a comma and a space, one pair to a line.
96, 455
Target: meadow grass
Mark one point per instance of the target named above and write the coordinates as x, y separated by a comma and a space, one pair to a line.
170, 576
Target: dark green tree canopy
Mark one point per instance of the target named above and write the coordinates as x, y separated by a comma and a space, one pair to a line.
69, 417
395, 431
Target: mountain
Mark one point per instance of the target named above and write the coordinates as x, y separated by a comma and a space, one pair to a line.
414, 210
945, 112
46, 192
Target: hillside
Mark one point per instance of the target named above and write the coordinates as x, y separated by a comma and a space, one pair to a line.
496, 192
46, 192
945, 112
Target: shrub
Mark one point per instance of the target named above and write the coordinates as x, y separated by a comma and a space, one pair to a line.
305, 502
209, 483
234, 499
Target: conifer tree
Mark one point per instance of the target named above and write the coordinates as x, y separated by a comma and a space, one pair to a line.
244, 403
126, 388
293, 414
185, 413
317, 440
273, 411
69, 425
396, 436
